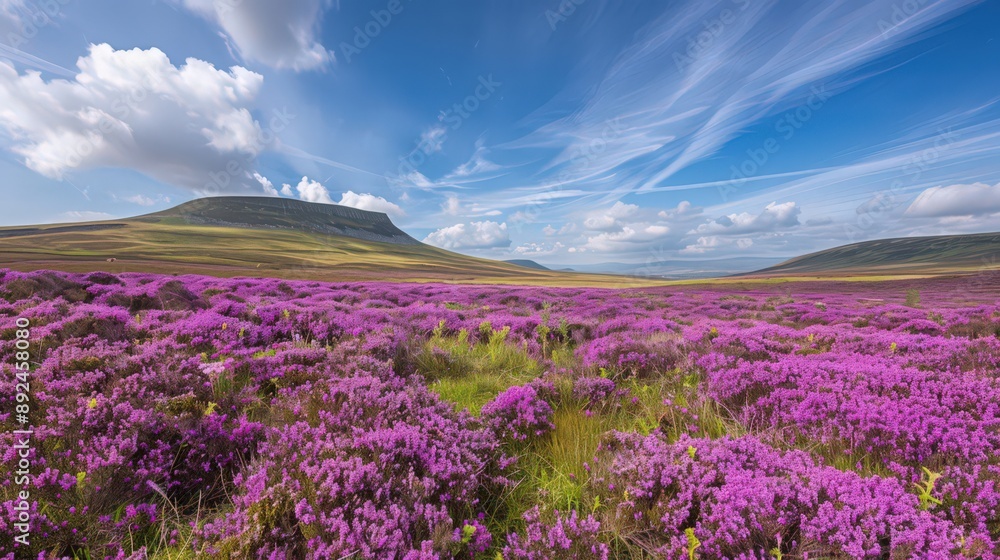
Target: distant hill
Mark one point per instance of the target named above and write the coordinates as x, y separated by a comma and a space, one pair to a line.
527, 264
944, 254
676, 268
260, 236
282, 213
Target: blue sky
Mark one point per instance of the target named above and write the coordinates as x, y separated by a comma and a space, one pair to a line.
572, 131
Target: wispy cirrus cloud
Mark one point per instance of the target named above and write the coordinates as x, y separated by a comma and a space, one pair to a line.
702, 72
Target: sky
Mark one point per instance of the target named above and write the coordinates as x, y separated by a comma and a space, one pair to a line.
563, 131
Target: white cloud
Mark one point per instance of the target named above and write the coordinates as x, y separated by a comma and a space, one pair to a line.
474, 235
610, 219
372, 203
710, 243
703, 245
278, 34
628, 235
772, 218
311, 191
189, 126
977, 199
538, 249
684, 208
286, 190
265, 184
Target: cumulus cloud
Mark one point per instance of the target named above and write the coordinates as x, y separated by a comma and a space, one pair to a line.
628, 235
977, 199
189, 126
774, 217
474, 235
371, 202
683, 209
311, 191
265, 184
538, 249
703, 245
610, 219
278, 34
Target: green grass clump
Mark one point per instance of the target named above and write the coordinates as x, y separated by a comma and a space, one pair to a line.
559, 471
471, 373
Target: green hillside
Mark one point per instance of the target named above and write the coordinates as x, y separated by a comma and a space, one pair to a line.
243, 236
945, 254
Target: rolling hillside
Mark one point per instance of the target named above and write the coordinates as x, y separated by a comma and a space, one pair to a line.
285, 214
527, 264
945, 254
264, 237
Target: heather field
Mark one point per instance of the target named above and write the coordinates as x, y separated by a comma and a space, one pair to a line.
180, 417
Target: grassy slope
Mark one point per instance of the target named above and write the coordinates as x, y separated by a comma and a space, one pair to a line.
170, 245
947, 254
174, 247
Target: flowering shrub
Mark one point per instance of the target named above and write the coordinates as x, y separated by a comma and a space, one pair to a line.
627, 355
594, 390
375, 468
519, 413
193, 416
567, 538
743, 499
